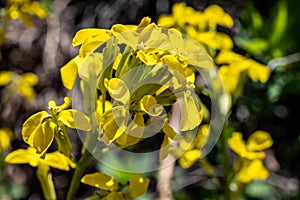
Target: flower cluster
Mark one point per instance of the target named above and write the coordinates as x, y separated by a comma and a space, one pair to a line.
249, 165
22, 84
202, 27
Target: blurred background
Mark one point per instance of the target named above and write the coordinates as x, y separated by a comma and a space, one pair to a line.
268, 29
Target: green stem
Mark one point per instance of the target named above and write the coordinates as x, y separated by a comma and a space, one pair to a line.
239, 192
45, 179
226, 162
78, 173
209, 170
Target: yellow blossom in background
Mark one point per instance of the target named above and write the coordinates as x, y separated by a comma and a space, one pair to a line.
24, 10
252, 170
6, 135
193, 148
233, 66
22, 84
136, 187
250, 163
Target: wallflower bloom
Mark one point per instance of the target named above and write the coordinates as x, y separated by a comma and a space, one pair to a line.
24, 9
136, 186
21, 83
235, 67
6, 135
191, 149
250, 165
40, 129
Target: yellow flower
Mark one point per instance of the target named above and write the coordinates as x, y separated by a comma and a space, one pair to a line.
255, 70
40, 129
21, 83
29, 156
252, 149
250, 165
6, 136
23, 9
136, 186
192, 149
215, 15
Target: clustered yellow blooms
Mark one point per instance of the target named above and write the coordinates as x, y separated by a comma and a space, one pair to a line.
249, 165
202, 26
158, 56
22, 84
40, 129
192, 150
136, 186
6, 136
24, 10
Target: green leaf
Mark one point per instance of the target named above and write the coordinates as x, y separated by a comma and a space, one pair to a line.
280, 23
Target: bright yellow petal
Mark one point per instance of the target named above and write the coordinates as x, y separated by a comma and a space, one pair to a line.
189, 158
59, 161
100, 180
258, 72
252, 170
259, 140
82, 35
32, 125
137, 186
190, 105
118, 90
133, 132
68, 74
5, 77
23, 156
6, 136
43, 137
75, 119
215, 40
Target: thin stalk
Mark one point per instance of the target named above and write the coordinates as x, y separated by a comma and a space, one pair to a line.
45, 179
226, 162
78, 173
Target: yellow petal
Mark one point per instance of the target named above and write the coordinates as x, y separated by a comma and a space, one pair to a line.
144, 22
137, 186
113, 123
43, 137
6, 136
118, 90
149, 104
114, 196
190, 105
29, 79
252, 170
59, 161
83, 34
100, 180
5, 77
189, 158
215, 40
23, 156
133, 132
31, 126
68, 74
75, 119
258, 72
259, 140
